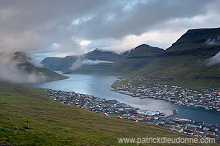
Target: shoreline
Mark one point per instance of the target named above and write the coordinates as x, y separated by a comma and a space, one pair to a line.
124, 111
197, 99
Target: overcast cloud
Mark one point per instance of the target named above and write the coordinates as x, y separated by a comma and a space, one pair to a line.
60, 28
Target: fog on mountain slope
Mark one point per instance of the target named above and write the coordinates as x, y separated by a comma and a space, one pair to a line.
214, 60
13, 69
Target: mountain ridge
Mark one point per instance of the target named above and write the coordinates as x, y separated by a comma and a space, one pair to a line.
195, 38
143, 51
123, 63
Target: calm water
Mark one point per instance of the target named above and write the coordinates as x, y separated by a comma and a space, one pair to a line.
100, 86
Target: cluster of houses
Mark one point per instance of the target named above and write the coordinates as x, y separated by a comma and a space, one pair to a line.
209, 99
124, 111
92, 103
189, 127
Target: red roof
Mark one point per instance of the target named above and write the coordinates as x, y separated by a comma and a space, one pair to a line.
210, 133
178, 128
201, 134
191, 128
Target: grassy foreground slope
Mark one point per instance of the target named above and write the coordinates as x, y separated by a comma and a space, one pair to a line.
29, 117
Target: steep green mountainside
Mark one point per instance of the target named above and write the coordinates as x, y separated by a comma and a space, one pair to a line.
185, 62
136, 59
102, 55
144, 51
29, 117
195, 38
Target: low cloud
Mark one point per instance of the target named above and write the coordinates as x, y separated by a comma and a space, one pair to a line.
83, 61
78, 63
94, 62
12, 70
30, 25
213, 41
214, 60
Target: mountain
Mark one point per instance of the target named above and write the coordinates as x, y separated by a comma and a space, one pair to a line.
186, 62
196, 38
144, 51
136, 58
192, 61
105, 62
29, 117
18, 67
94, 62
102, 55
59, 63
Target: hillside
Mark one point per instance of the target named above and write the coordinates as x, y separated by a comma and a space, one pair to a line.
19, 68
102, 55
135, 59
186, 62
28, 67
29, 117
144, 51
195, 38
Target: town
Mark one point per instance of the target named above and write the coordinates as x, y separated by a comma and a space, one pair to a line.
209, 99
124, 111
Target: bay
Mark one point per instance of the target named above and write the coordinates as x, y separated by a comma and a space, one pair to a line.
100, 86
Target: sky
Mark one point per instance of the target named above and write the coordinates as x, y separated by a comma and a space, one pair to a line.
46, 28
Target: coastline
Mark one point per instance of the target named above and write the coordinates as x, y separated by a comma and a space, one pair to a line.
124, 111
208, 99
